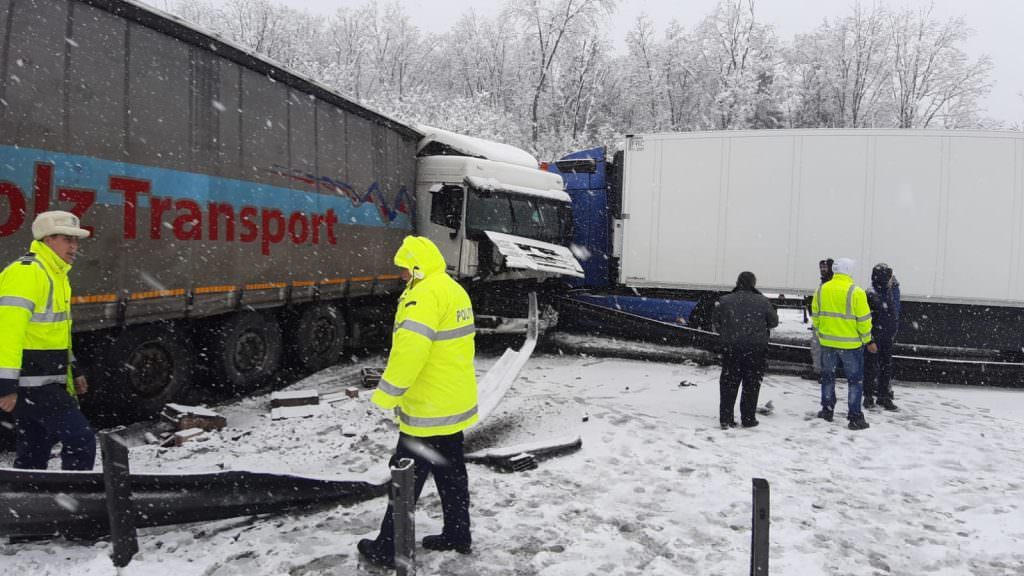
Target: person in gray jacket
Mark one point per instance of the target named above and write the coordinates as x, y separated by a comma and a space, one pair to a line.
742, 319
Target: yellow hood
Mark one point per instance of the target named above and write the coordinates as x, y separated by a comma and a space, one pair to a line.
420, 257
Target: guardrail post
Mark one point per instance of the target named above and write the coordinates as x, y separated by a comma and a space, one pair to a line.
759, 536
120, 508
403, 488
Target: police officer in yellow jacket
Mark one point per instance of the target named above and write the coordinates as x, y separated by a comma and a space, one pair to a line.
39, 381
430, 383
842, 323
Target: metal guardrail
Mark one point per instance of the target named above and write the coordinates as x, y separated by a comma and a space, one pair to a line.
403, 505
760, 523
927, 365
38, 503
118, 488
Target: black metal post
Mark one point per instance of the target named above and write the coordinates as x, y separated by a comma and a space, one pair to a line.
120, 509
759, 536
403, 502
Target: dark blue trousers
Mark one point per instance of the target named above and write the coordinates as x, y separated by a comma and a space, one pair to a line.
37, 431
878, 371
443, 457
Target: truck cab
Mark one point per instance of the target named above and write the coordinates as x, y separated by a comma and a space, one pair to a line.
496, 217
491, 210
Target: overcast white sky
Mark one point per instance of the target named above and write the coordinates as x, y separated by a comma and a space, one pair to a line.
997, 25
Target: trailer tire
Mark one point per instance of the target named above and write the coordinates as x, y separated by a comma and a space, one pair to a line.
146, 367
318, 337
245, 350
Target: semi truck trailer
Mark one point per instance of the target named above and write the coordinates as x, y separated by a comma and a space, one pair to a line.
240, 213
679, 215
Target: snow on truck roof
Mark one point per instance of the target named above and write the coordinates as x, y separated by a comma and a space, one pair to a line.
475, 147
494, 184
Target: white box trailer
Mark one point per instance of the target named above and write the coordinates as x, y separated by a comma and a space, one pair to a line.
944, 208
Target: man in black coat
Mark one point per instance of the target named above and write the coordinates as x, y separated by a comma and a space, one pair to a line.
884, 300
742, 319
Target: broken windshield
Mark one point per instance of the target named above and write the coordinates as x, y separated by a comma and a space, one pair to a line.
518, 214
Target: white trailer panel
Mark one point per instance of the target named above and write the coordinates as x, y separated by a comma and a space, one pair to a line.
944, 208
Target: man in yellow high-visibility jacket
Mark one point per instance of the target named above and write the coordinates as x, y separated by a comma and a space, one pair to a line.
38, 377
842, 323
430, 383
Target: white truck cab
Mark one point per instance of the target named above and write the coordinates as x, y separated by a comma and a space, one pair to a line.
494, 214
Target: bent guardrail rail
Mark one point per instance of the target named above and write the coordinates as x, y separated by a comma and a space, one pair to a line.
37, 503
909, 363
499, 378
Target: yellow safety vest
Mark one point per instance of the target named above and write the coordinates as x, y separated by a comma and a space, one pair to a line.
430, 379
35, 313
840, 313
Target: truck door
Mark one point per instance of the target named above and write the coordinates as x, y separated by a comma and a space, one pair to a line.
446, 227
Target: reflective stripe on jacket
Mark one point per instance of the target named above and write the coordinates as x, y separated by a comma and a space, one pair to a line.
35, 312
430, 379
840, 313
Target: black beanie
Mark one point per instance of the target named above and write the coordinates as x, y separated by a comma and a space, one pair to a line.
746, 280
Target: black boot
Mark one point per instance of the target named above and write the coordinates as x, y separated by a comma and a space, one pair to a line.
869, 402
859, 424
374, 554
887, 404
441, 543
825, 414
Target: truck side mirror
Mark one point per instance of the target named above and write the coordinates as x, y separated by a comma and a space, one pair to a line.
446, 207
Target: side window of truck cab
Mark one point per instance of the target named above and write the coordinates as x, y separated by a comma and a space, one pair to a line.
446, 206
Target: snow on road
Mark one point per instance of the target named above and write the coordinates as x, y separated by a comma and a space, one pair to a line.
657, 488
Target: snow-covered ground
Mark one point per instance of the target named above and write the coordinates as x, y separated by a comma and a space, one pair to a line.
657, 488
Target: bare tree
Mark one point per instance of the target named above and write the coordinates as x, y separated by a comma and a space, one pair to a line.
644, 73
931, 74
550, 61
477, 54
347, 46
736, 56
549, 25
859, 60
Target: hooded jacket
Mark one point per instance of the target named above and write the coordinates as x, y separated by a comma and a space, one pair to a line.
839, 310
744, 317
430, 380
884, 301
35, 342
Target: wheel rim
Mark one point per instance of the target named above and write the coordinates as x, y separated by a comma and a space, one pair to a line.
250, 352
150, 370
324, 335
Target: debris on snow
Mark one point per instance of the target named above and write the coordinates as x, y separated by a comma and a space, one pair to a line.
188, 435
294, 398
285, 412
186, 417
371, 376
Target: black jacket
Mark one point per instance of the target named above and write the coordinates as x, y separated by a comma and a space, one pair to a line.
885, 312
743, 318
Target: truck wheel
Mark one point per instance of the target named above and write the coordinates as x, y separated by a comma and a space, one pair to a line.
148, 366
246, 350
318, 337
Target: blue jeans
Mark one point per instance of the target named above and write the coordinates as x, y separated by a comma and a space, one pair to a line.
853, 366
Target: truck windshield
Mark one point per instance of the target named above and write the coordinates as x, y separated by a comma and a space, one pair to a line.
527, 216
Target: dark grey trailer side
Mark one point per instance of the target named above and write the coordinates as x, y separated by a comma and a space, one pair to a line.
219, 186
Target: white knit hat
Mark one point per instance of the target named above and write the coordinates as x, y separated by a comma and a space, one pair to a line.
57, 222
844, 266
